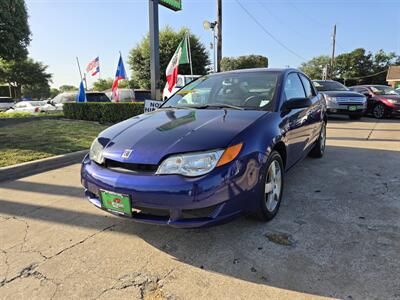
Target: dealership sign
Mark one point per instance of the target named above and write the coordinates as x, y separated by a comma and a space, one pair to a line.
150, 105
171, 4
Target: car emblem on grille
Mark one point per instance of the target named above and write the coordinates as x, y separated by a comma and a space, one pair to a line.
126, 153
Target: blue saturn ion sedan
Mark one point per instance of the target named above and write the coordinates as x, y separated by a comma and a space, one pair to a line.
216, 149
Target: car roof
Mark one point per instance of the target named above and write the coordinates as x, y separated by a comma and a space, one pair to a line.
266, 70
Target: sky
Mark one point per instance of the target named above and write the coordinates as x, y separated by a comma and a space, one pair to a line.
288, 32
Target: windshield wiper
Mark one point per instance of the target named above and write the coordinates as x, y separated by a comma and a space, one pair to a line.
217, 105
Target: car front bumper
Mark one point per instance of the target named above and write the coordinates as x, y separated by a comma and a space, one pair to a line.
345, 108
180, 201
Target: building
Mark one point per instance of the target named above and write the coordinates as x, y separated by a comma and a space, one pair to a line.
393, 76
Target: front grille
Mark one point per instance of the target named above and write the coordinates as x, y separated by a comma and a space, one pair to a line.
139, 211
129, 167
198, 213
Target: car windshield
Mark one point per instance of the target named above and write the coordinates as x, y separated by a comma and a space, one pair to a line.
241, 90
36, 103
383, 90
324, 86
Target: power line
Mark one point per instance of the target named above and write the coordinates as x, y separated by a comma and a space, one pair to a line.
372, 75
269, 33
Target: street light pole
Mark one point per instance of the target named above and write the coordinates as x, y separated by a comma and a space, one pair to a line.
154, 50
219, 34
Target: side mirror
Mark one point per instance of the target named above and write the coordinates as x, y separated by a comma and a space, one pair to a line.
367, 94
296, 103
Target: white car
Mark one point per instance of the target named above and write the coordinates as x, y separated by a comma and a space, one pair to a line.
62, 98
32, 107
181, 81
6, 103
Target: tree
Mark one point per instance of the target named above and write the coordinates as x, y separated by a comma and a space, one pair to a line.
54, 92
314, 67
139, 57
27, 73
14, 30
105, 84
355, 67
40, 90
67, 88
244, 62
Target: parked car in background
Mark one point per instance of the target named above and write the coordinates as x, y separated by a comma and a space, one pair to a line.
69, 97
6, 103
382, 100
181, 81
130, 95
340, 100
32, 107
193, 164
59, 100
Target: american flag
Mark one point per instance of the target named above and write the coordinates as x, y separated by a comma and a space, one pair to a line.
93, 67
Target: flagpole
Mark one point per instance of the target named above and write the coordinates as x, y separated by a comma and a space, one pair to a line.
190, 53
79, 68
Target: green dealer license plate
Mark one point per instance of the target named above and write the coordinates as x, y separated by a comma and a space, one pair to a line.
118, 203
352, 108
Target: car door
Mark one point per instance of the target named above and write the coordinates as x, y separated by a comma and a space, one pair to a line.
296, 133
314, 112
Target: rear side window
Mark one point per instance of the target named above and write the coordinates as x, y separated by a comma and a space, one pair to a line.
100, 97
6, 100
307, 86
293, 87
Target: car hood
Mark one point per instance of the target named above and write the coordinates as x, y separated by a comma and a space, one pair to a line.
392, 97
342, 94
153, 136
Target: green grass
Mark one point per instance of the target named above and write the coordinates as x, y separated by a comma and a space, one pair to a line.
44, 138
4, 115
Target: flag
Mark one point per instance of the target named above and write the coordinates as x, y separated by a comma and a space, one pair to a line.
119, 75
181, 56
81, 97
93, 67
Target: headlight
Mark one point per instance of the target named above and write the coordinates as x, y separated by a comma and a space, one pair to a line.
197, 164
392, 101
96, 152
332, 99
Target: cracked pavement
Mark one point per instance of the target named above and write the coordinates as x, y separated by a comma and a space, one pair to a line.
337, 235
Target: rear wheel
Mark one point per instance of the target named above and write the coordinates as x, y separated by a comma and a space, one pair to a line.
271, 191
319, 148
355, 117
379, 111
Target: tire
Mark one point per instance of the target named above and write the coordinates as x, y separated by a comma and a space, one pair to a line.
379, 111
355, 117
319, 148
269, 201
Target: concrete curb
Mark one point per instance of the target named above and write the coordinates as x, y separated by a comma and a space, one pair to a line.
40, 165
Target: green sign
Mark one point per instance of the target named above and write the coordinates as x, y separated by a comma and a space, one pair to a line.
171, 4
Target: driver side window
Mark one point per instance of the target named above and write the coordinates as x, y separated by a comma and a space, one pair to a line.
293, 87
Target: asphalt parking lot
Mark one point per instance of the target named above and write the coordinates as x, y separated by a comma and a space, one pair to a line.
337, 235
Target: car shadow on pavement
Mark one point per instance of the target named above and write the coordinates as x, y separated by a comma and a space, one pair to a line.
337, 232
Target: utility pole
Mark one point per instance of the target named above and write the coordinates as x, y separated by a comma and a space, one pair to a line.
154, 50
219, 34
333, 50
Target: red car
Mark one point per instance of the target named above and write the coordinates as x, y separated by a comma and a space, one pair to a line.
382, 101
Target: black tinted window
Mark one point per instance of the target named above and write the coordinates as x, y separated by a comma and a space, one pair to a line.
142, 95
98, 97
293, 87
6, 100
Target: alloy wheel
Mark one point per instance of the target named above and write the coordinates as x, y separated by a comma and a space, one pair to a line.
273, 185
379, 111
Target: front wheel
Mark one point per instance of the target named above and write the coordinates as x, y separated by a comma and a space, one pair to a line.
379, 111
271, 191
319, 148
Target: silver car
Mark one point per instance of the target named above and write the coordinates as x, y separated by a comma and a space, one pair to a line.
340, 100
